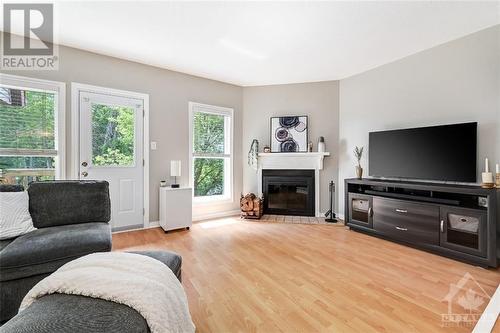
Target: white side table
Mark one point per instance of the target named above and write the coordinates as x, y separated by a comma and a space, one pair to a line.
176, 208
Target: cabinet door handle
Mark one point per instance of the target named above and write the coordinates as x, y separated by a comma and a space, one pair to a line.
441, 226
370, 212
402, 229
401, 210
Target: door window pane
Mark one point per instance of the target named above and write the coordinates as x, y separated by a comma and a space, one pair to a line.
208, 176
112, 135
208, 133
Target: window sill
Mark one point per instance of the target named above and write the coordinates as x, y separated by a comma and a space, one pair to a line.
217, 200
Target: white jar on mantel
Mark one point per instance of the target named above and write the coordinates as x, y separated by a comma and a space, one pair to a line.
321, 145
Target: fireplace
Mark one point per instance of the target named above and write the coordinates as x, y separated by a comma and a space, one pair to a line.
288, 192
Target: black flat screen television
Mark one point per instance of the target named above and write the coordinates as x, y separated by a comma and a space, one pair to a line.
444, 153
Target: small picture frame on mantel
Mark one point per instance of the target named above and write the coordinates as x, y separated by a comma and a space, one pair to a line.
289, 134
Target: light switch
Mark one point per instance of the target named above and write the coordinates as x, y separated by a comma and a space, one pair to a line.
153, 145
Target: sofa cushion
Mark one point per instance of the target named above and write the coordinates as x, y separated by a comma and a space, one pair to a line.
55, 203
15, 219
171, 259
60, 313
4, 243
45, 250
12, 293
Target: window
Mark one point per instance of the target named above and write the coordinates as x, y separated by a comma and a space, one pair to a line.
211, 152
31, 130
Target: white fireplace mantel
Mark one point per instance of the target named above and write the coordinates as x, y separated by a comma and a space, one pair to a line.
283, 161
292, 160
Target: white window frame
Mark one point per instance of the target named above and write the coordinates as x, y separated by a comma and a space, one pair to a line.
59, 89
227, 197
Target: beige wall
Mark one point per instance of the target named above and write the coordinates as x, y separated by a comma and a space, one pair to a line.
169, 94
452, 83
455, 82
319, 101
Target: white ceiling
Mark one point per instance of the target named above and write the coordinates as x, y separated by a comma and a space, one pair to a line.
260, 43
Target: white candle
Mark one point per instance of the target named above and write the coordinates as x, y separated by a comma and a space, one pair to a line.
497, 169
486, 167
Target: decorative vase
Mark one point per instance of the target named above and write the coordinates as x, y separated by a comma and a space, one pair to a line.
321, 144
359, 172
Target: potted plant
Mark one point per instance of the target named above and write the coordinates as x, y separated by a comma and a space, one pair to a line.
358, 152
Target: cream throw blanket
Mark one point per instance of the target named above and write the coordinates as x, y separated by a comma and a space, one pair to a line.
138, 281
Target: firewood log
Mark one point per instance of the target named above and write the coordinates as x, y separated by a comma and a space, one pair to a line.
247, 202
251, 206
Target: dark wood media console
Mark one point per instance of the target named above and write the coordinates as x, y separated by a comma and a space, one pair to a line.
458, 221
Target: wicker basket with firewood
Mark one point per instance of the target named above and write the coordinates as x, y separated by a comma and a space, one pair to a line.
251, 206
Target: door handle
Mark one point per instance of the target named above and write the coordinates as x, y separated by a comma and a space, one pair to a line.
370, 212
85, 174
402, 229
401, 210
84, 164
441, 226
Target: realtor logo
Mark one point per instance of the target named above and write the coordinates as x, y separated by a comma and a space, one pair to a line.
465, 301
28, 37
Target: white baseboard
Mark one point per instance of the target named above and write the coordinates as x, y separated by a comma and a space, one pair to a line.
152, 224
216, 215
489, 317
197, 218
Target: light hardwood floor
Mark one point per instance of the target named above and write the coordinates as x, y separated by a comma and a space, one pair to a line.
246, 276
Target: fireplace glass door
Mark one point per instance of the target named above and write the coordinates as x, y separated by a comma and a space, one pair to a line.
291, 197
289, 192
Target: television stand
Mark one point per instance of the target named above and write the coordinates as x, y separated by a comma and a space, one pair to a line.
414, 197
457, 221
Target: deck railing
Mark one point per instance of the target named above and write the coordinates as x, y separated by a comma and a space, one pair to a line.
25, 176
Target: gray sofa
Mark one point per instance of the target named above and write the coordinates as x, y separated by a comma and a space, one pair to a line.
71, 218
61, 313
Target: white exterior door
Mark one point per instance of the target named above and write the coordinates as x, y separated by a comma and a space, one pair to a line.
111, 149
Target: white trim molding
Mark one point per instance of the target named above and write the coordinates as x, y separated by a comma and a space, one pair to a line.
76, 88
59, 88
284, 161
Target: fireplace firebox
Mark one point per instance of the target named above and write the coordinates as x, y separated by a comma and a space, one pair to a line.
288, 192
